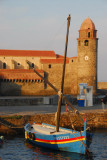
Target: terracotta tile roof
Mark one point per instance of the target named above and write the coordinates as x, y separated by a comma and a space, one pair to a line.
54, 60
26, 74
33, 53
59, 56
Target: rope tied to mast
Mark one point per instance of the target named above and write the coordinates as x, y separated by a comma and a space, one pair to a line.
59, 93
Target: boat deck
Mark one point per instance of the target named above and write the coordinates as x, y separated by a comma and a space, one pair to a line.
48, 130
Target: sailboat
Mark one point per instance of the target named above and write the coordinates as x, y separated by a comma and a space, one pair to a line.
56, 137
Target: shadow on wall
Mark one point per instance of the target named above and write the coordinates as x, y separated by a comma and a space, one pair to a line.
46, 77
10, 89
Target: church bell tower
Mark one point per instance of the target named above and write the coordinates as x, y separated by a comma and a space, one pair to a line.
87, 54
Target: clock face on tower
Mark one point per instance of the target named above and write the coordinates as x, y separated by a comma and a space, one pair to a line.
86, 58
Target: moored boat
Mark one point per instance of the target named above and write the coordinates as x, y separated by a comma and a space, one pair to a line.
68, 140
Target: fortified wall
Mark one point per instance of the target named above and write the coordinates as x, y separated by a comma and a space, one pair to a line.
102, 85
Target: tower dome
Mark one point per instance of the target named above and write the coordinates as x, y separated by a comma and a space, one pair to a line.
87, 24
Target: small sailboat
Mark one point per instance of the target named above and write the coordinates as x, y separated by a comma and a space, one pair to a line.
55, 137
45, 135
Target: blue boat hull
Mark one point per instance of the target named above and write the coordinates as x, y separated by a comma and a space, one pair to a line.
70, 145
70, 142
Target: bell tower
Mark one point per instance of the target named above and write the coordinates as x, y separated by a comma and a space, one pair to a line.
87, 54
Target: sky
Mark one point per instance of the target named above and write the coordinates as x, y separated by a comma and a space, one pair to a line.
42, 25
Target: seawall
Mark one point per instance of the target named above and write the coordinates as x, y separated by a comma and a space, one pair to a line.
95, 120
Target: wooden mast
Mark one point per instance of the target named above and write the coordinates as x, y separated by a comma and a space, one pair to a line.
52, 86
63, 75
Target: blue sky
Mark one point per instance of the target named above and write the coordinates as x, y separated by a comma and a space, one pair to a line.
41, 25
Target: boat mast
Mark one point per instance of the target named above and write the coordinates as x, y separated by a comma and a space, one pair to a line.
63, 75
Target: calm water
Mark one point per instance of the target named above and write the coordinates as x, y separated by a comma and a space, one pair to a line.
18, 149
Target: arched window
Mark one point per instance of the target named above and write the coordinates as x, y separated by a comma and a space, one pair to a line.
4, 65
88, 34
18, 64
86, 43
49, 66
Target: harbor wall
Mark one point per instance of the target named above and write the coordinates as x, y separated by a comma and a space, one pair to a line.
94, 121
35, 100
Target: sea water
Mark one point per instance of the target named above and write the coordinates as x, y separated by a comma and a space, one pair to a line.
16, 148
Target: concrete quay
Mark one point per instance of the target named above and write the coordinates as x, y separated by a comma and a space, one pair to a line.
44, 109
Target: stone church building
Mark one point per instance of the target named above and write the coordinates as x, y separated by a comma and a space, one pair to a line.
18, 78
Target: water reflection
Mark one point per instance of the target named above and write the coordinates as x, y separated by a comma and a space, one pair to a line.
44, 154
15, 148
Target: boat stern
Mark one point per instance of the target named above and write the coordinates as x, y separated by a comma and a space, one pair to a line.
27, 128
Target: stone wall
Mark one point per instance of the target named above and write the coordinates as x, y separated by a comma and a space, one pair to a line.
22, 88
54, 75
73, 75
102, 85
87, 63
94, 121
20, 62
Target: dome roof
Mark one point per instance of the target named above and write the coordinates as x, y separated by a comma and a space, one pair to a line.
87, 24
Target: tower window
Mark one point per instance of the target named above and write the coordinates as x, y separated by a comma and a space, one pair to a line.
86, 43
4, 65
49, 66
88, 34
18, 64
